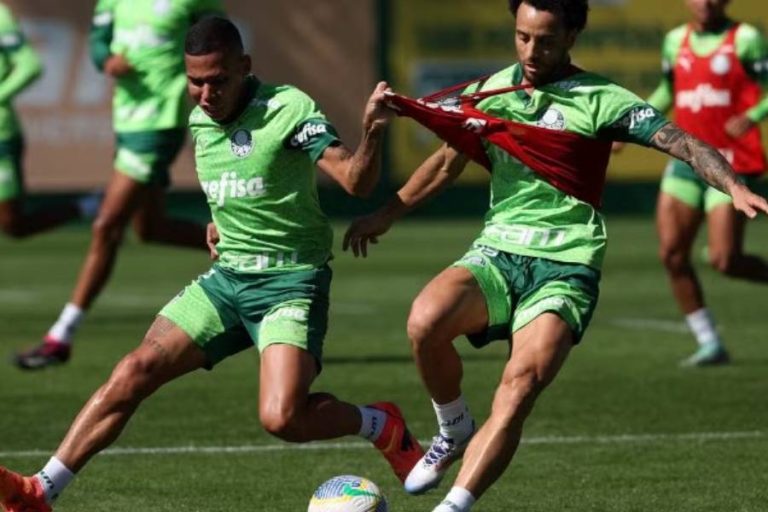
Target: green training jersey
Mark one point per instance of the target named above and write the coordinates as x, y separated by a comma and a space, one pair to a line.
529, 216
751, 49
19, 67
150, 35
258, 173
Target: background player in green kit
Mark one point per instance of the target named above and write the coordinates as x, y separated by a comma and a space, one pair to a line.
19, 67
139, 44
532, 276
256, 148
713, 72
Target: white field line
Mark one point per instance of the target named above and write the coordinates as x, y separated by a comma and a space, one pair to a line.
282, 447
650, 324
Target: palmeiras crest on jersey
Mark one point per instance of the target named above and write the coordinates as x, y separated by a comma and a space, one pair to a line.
720, 64
241, 143
552, 119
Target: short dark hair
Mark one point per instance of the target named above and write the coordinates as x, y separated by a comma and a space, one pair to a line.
213, 34
574, 11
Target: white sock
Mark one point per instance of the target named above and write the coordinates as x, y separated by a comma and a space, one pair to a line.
702, 326
457, 500
373, 423
65, 327
54, 477
454, 419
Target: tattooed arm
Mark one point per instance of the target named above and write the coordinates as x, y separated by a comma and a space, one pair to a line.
710, 165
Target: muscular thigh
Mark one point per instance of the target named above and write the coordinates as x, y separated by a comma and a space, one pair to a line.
452, 303
540, 348
167, 351
677, 222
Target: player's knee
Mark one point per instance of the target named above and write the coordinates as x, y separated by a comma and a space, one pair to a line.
422, 326
674, 259
724, 262
132, 380
107, 230
516, 394
283, 421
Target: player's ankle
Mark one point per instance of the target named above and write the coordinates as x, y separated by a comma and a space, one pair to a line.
372, 423
54, 478
454, 419
457, 500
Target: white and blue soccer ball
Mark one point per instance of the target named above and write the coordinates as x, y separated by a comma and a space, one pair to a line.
348, 493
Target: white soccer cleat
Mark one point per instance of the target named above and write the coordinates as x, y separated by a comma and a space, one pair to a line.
429, 471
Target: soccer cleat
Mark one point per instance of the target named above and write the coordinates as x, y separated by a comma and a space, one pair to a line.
396, 443
429, 471
21, 493
711, 354
48, 353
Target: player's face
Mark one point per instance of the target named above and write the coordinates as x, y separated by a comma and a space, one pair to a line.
216, 82
707, 11
542, 43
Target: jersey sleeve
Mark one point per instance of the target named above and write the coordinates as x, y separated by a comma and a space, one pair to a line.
662, 97
624, 117
752, 49
24, 61
100, 35
312, 132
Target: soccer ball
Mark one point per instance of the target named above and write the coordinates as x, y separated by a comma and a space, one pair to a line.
348, 493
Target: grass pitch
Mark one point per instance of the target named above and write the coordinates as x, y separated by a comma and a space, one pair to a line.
621, 429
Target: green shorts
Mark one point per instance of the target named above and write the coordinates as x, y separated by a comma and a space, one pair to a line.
520, 288
225, 312
11, 176
146, 157
681, 182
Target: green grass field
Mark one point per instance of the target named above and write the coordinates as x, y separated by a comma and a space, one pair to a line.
621, 429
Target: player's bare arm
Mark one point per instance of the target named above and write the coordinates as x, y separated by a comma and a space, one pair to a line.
359, 172
117, 66
431, 177
710, 165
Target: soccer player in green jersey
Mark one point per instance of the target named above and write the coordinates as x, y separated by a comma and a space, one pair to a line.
532, 276
19, 68
715, 78
139, 44
256, 148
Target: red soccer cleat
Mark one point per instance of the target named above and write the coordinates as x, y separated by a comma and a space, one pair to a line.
396, 443
21, 493
49, 353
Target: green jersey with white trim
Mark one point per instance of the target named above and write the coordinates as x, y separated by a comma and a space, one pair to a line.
259, 175
150, 35
529, 216
19, 67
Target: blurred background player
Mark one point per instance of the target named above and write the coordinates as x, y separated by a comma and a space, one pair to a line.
532, 276
138, 43
257, 150
19, 68
713, 71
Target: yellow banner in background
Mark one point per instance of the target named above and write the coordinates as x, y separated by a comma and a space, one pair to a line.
436, 43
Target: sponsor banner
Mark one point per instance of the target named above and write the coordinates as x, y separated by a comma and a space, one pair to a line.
436, 43
67, 114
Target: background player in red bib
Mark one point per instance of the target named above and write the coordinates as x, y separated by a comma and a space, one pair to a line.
713, 71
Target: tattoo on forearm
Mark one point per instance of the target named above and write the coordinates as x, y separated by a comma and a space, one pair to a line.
705, 160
